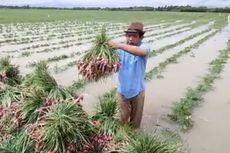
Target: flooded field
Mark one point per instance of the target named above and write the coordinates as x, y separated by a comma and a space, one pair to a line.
183, 51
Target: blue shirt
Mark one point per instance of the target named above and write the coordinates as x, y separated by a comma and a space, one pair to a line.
132, 71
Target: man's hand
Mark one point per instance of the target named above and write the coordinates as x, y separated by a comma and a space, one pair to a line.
113, 44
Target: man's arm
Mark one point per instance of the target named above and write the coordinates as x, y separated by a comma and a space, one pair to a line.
129, 48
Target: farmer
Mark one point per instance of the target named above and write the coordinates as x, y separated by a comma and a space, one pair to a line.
131, 88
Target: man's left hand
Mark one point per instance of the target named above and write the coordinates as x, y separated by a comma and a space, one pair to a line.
113, 44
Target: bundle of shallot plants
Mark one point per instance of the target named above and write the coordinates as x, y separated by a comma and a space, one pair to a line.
100, 61
61, 127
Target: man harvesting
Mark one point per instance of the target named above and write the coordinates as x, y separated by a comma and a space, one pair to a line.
131, 88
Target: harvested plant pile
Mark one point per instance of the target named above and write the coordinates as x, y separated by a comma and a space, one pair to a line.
39, 116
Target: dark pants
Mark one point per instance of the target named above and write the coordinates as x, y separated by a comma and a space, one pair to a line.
131, 110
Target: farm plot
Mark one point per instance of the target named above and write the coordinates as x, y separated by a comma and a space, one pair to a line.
210, 125
176, 78
180, 57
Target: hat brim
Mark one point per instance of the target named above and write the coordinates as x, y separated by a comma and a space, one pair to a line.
134, 31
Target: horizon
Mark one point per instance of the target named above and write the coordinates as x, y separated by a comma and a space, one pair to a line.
115, 3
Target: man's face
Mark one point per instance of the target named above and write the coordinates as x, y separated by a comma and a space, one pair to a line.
133, 38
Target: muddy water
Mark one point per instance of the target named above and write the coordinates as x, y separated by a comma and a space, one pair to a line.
211, 133
70, 75
92, 91
171, 40
161, 93
152, 62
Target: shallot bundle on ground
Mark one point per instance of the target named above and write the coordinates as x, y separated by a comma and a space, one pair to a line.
100, 60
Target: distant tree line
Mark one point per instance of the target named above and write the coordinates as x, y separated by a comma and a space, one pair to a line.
162, 8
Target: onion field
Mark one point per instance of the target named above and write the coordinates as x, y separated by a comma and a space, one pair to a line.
187, 83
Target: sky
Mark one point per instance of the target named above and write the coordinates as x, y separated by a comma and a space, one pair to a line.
115, 3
